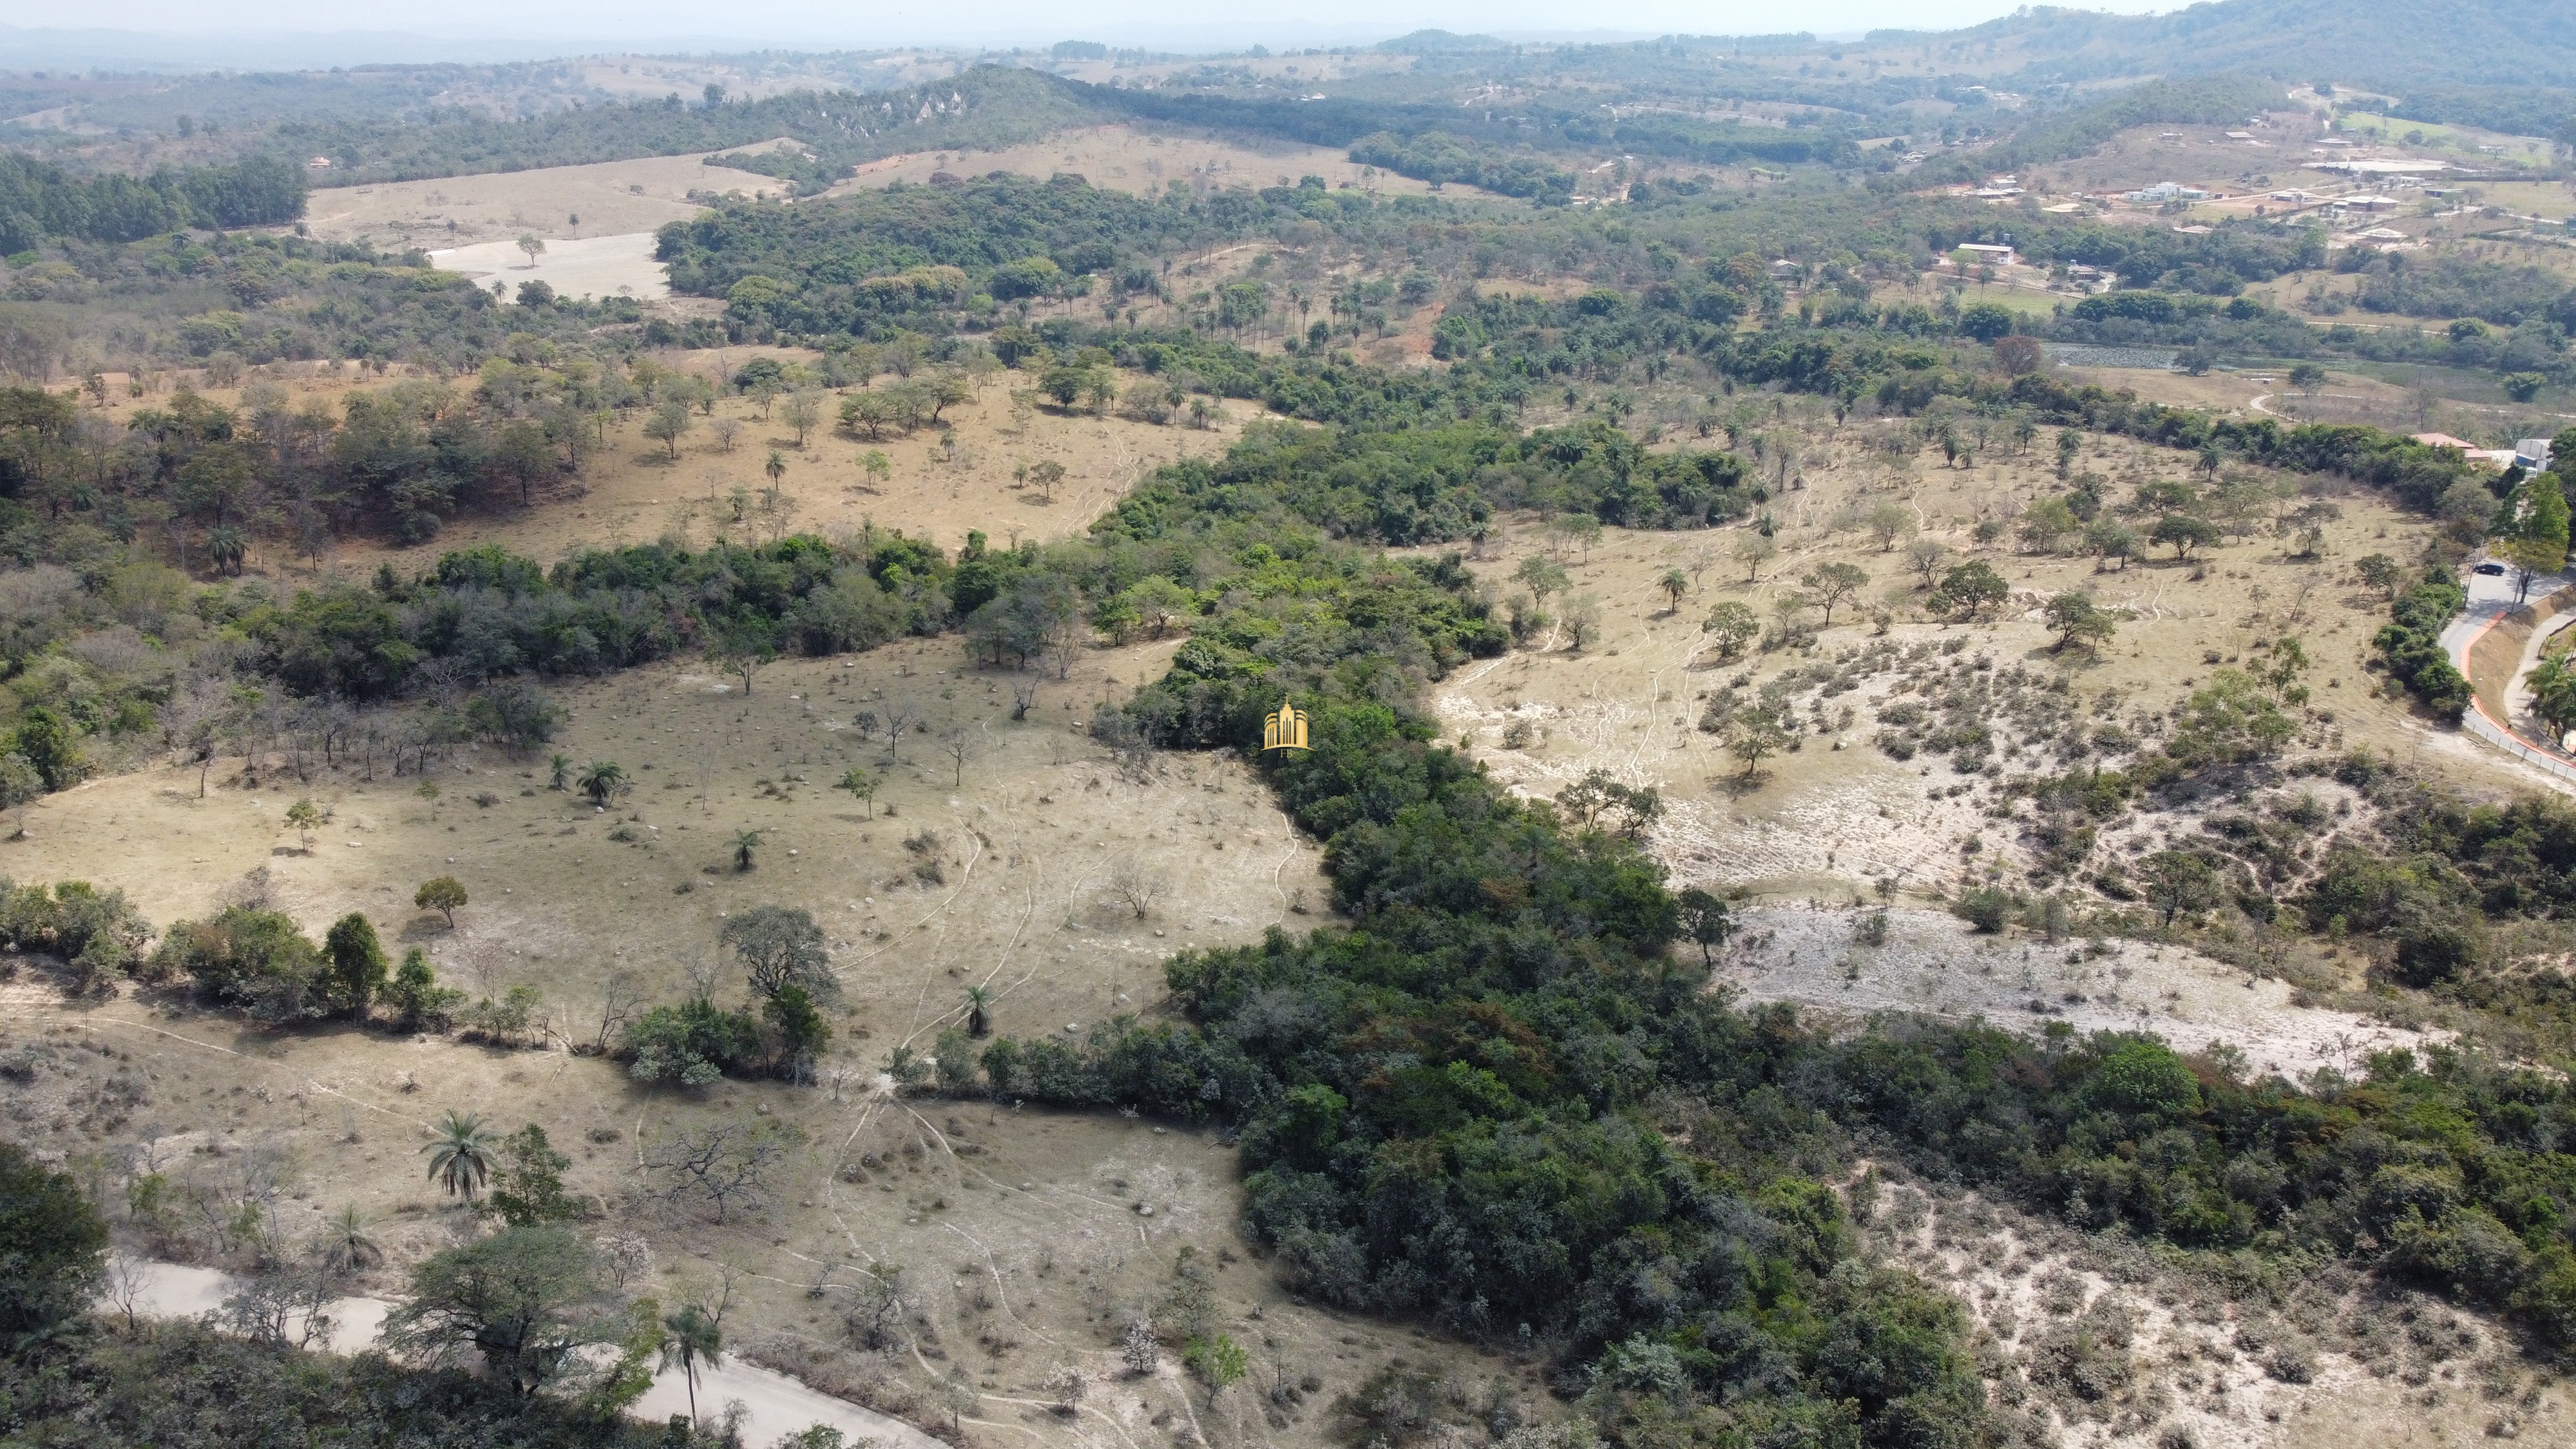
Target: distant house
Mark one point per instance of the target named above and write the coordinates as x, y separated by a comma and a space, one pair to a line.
1784, 270
2164, 191
1984, 254
2379, 166
2532, 453
318, 163
2492, 457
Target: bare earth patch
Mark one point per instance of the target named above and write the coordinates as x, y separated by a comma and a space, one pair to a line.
2088, 1341
610, 198
1933, 964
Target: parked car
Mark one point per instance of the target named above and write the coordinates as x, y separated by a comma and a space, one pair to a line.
2491, 570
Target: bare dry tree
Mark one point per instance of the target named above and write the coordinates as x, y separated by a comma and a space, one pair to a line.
900, 716
1136, 888
724, 1165
619, 998
960, 743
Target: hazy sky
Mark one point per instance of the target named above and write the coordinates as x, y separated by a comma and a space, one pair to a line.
615, 24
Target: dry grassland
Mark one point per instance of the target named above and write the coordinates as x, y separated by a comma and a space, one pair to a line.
611, 198
1127, 158
1820, 836
1630, 701
1024, 1234
1029, 1239
939, 486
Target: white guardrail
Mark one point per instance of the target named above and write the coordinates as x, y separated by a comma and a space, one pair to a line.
2474, 720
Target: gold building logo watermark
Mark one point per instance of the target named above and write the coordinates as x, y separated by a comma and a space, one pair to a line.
1284, 729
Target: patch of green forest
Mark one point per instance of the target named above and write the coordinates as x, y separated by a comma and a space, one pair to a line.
40, 202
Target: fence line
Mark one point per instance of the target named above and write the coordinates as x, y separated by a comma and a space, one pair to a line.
2474, 720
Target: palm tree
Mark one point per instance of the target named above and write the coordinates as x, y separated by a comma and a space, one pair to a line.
558, 771
695, 1338
601, 780
228, 547
348, 1243
979, 1010
460, 1154
744, 843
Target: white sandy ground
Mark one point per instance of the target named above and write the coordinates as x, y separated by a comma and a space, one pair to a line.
1935, 965
608, 198
777, 1405
599, 266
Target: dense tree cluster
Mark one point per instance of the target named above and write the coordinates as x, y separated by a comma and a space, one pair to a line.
40, 202
1438, 157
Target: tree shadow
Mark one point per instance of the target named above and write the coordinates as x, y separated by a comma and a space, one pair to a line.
427, 926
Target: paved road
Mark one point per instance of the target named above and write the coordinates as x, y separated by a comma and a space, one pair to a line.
2491, 597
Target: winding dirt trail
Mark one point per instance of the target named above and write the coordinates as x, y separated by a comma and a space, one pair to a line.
775, 1404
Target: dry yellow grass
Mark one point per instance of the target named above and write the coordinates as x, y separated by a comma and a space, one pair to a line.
1127, 158
610, 199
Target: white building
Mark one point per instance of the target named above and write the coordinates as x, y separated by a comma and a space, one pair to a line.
2164, 191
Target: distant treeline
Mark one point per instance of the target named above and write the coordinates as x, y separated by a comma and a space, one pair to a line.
1438, 157
2510, 110
991, 106
986, 107
39, 201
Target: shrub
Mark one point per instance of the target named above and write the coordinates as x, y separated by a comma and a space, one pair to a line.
251, 959
694, 1044
1985, 908
98, 933
53, 1246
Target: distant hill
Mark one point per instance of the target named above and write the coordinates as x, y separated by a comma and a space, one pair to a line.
1440, 42
2396, 47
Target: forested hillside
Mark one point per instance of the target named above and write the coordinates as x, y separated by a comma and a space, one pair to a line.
39, 202
2446, 42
